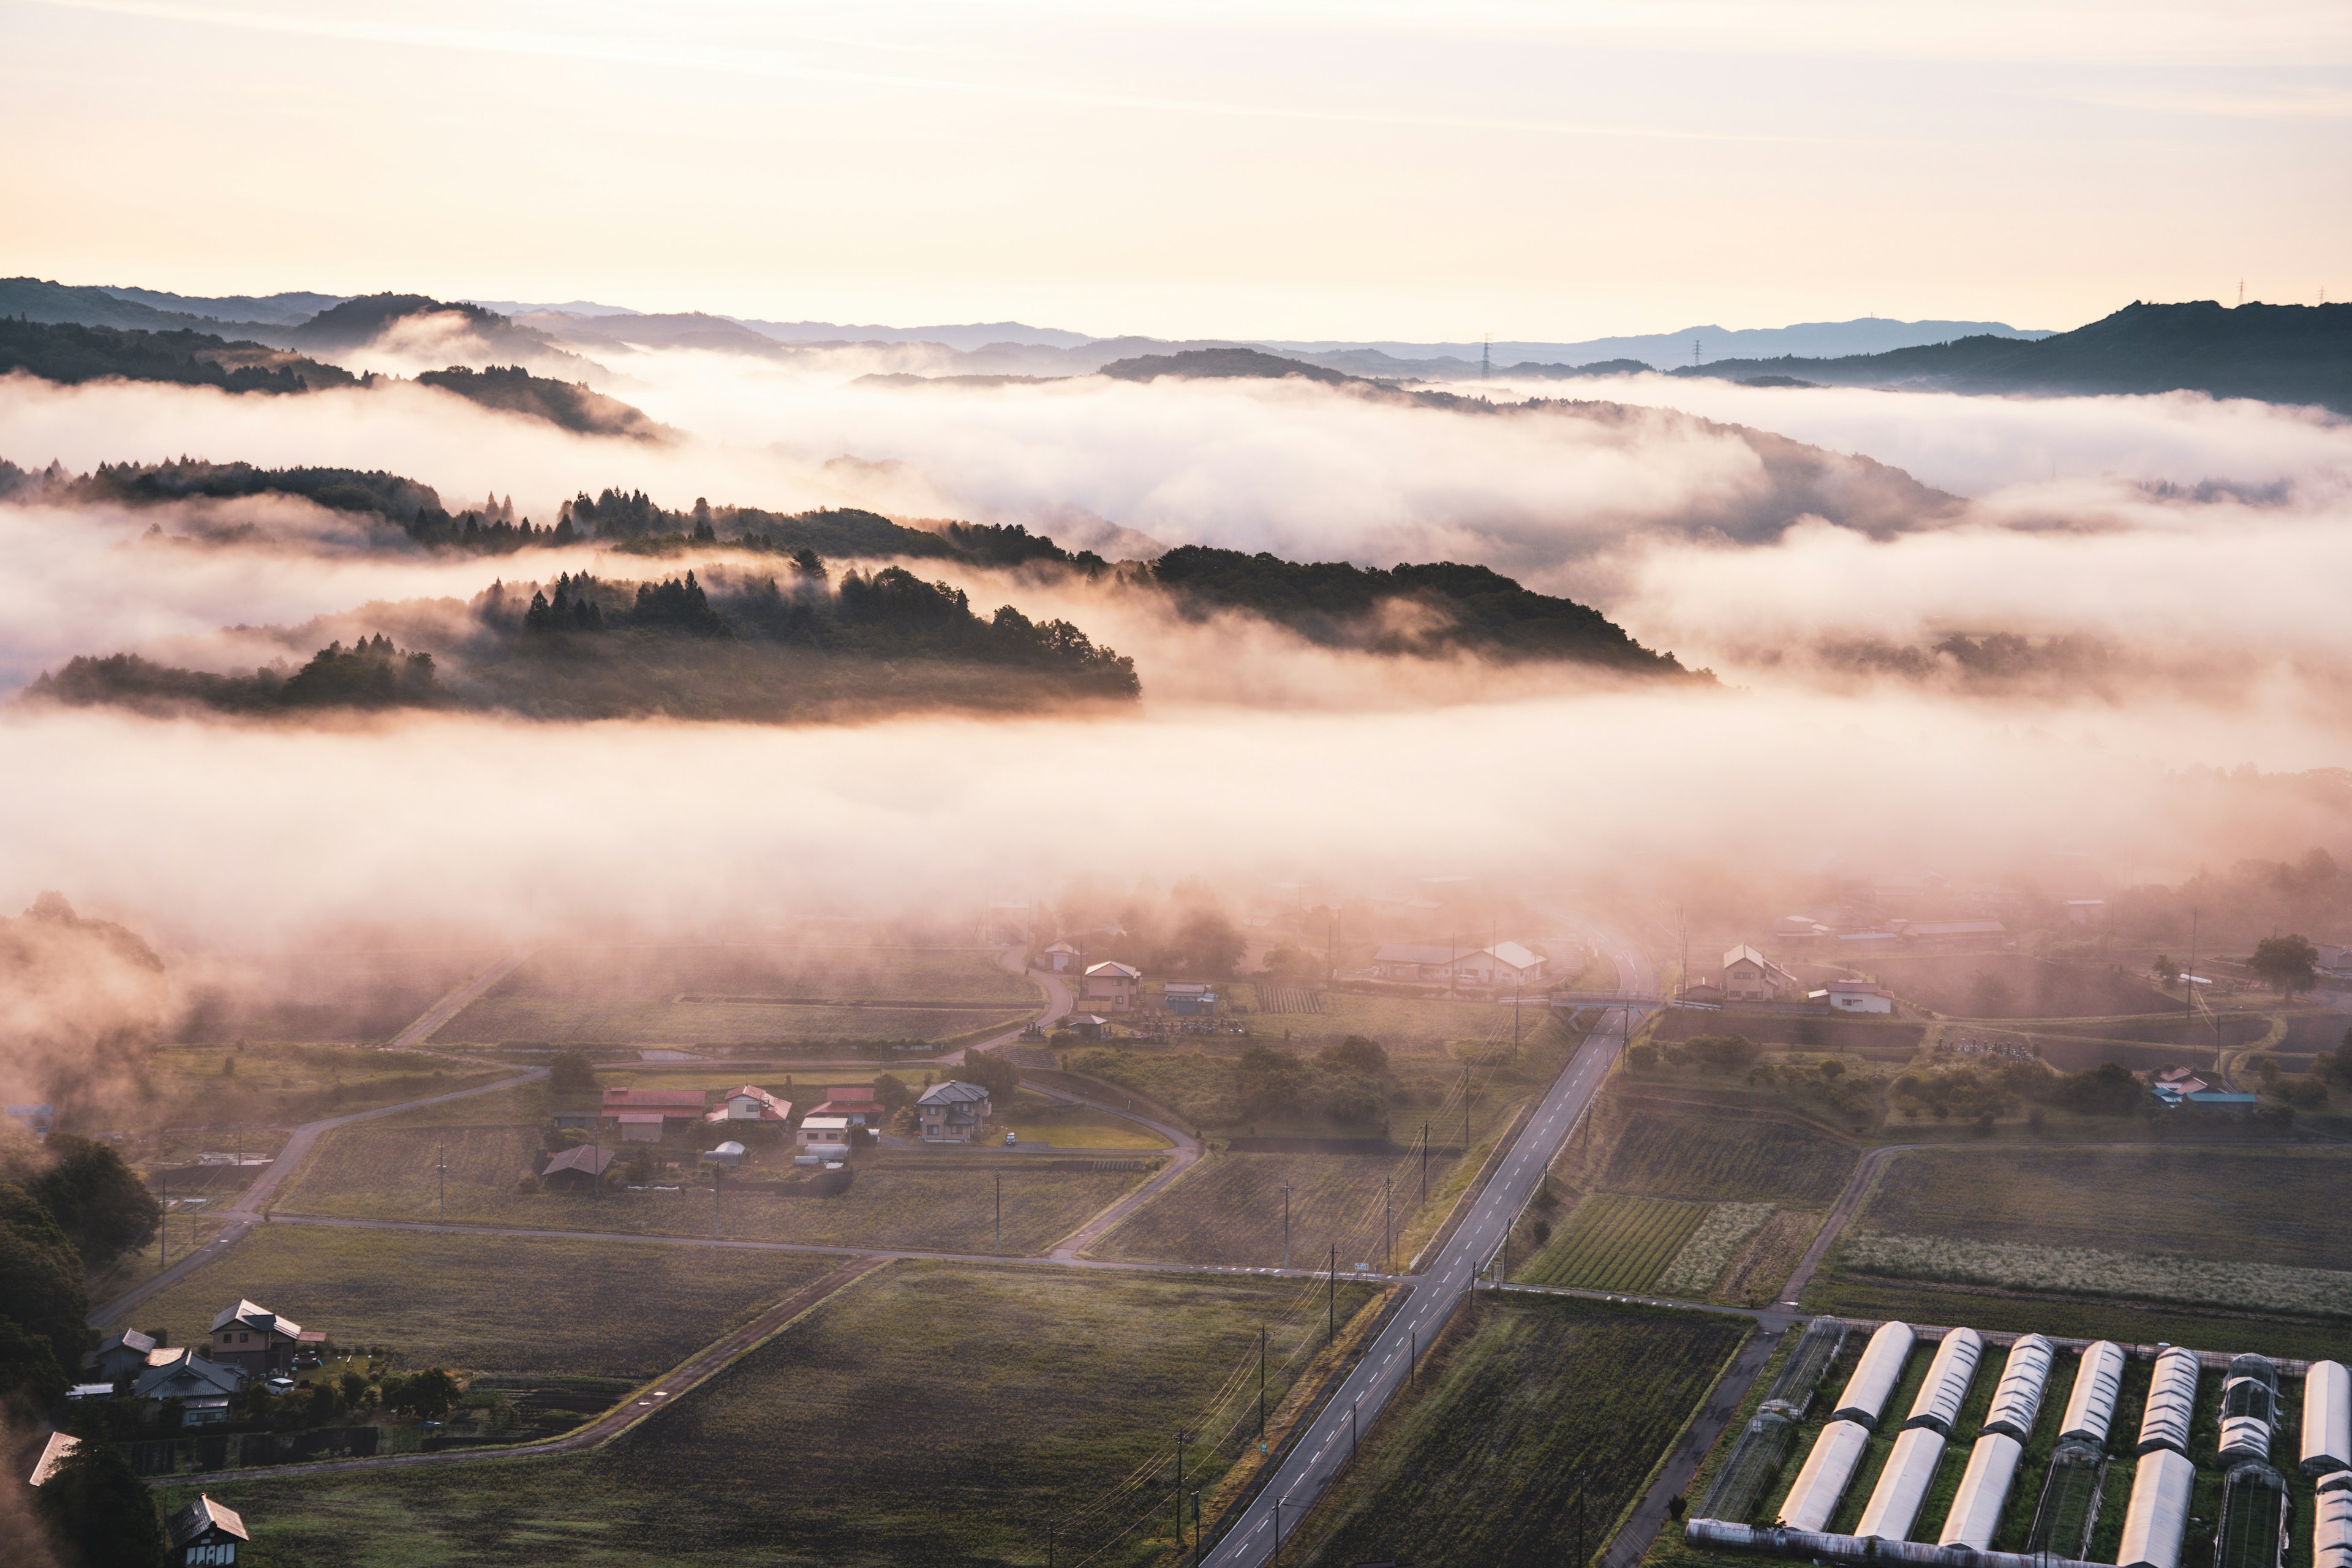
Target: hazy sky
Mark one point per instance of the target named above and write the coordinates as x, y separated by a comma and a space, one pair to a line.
1281, 168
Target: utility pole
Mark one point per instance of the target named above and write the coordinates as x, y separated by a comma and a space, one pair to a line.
1179, 1489
163, 1227
717, 1177
1466, 1110
2188, 976
997, 1247
1682, 978
1388, 1231
1261, 1388
1196, 1527
443, 1168
1285, 1227
1425, 1159
1331, 1299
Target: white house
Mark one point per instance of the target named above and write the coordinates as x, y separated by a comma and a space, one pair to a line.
1749, 976
750, 1103
1060, 956
818, 1132
1115, 987
1857, 997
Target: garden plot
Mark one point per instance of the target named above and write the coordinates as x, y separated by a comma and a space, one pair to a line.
1708, 1153
1614, 1242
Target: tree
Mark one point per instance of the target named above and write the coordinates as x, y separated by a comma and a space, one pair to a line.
2344, 1059
41, 1277
1356, 1053
97, 1201
571, 1073
891, 1093
2164, 970
994, 1074
99, 1512
2289, 963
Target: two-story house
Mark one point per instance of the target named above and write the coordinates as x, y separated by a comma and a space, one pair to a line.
1110, 988
256, 1340
954, 1112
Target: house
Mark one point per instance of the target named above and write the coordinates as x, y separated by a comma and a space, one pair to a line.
750, 1103
576, 1170
206, 1534
54, 1452
203, 1387
1857, 997
827, 1135
1436, 963
1189, 1001
1749, 976
1060, 956
729, 1155
854, 1101
120, 1356
1114, 985
2333, 962
627, 1108
255, 1340
953, 1112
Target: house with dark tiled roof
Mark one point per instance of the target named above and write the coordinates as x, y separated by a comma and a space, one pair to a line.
256, 1340
203, 1387
119, 1356
953, 1112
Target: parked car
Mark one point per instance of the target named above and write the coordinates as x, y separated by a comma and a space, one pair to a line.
1010, 1139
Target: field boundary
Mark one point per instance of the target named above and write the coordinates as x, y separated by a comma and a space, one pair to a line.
1629, 1519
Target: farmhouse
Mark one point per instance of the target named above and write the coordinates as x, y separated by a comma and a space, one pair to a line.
750, 1103
204, 1533
1435, 964
634, 1111
120, 1356
1060, 956
258, 1341
827, 1135
854, 1101
576, 1170
203, 1387
1857, 997
1749, 976
953, 1112
1114, 985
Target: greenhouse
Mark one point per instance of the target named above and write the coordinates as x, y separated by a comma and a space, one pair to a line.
1876, 1374
2159, 1511
2070, 1493
2253, 1528
2331, 1540
2249, 1409
1903, 1485
2171, 1401
2326, 1419
1946, 1388
1747, 1472
2018, 1399
2098, 1384
1826, 1472
1984, 1489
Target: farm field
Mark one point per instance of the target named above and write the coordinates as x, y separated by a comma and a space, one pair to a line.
1523, 1396
1065, 1385
2070, 1318
1228, 1210
1057, 1124
1704, 1152
1613, 1242
1405, 1025
259, 1086
2268, 1206
357, 997
190, 1229
494, 1304
384, 1171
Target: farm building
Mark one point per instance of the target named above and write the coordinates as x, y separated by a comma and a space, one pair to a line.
1116, 986
576, 1170
119, 1356
750, 1103
1749, 976
729, 1155
2249, 1409
1876, 1374
1855, 997
853, 1101
2171, 1401
2326, 1419
204, 1387
257, 1340
1441, 963
1903, 1485
1090, 1026
2017, 1399
1946, 1388
827, 1135
952, 1112
2158, 1510
625, 1107
2098, 1382
1984, 1491
1950, 933
206, 1534
1826, 1472
1189, 1001
639, 1126
2331, 1538
1060, 956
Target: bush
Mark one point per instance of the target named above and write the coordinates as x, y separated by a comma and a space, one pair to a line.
1641, 1057
571, 1073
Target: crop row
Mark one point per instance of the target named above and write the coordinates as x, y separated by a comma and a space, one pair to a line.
2084, 1272
1613, 1242
1727, 1159
1712, 1247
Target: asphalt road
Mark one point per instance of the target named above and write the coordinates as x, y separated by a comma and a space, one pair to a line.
1330, 1441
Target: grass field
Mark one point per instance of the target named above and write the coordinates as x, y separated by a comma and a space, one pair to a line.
930, 1413
1228, 1210
360, 997
745, 995
2277, 1206
1613, 1242
1705, 1153
262, 1086
1527, 1404
496, 1304
1057, 1124
378, 1170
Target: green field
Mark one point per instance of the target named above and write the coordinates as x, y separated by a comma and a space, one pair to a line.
1057, 1124
930, 1414
1228, 1209
496, 1304
1613, 1242
258, 1087
746, 995
1704, 1152
1527, 1404
384, 1171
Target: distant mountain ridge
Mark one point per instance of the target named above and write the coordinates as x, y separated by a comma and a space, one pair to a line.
2276, 354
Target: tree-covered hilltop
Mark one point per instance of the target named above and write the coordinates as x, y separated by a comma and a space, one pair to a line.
1467, 609
371, 674
71, 355
570, 404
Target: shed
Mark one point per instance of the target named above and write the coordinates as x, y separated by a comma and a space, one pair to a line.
1903, 1485
2098, 1382
206, 1534
2172, 1401
1875, 1375
1813, 1496
641, 1126
2326, 1419
729, 1155
120, 1356
1090, 1026
828, 1129
576, 1168
2158, 1510
1857, 997
1984, 1491
1946, 1388
2017, 1399
1060, 956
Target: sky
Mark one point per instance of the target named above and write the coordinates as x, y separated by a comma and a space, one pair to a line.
1294, 169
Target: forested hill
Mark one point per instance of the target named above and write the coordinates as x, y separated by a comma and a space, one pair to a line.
1221, 364
2276, 354
1471, 609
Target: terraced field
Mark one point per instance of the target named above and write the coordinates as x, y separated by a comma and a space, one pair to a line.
1613, 1242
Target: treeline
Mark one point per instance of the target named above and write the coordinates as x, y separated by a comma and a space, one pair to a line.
71, 355
570, 405
631, 516
369, 674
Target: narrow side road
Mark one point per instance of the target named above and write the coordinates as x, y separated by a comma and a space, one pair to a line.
459, 997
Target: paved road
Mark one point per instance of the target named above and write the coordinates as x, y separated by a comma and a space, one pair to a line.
248, 1208
1329, 1442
